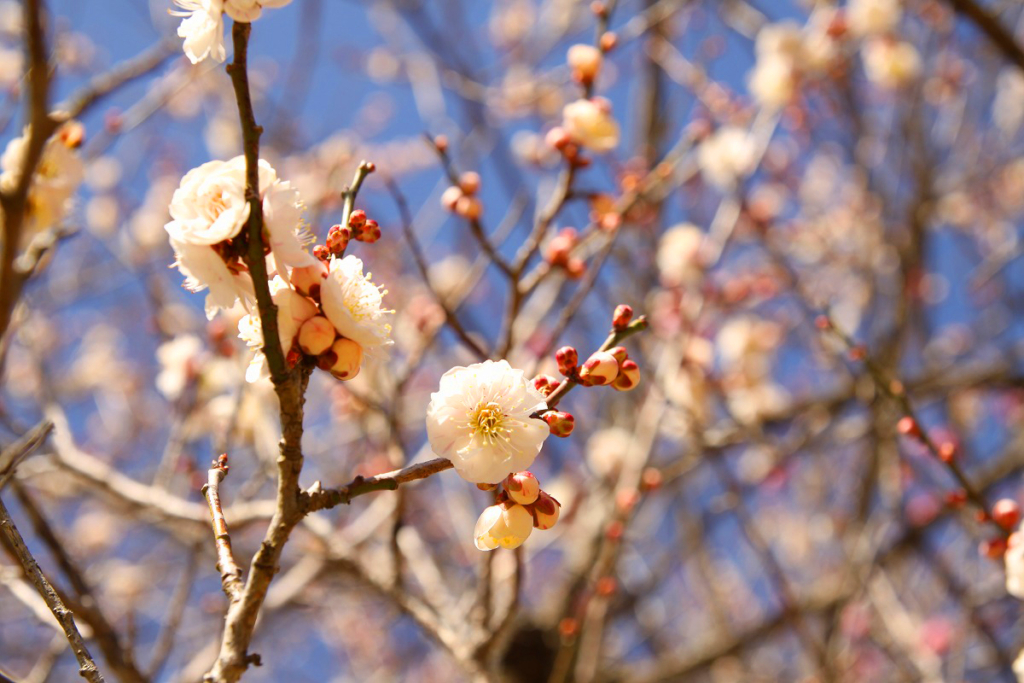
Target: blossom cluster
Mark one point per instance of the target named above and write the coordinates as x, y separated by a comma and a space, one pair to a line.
327, 307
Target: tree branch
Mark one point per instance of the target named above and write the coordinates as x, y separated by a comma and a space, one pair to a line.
230, 573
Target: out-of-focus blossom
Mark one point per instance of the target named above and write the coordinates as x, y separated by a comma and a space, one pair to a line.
726, 156
1014, 561
480, 420
889, 63
56, 178
178, 359
590, 123
678, 255
873, 17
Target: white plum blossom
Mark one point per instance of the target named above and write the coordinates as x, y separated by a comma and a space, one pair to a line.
56, 178
590, 123
507, 526
726, 156
353, 304
480, 420
202, 25
209, 209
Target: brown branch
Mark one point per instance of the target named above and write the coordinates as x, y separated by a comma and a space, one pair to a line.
316, 498
230, 573
12, 456
290, 387
86, 665
990, 26
14, 202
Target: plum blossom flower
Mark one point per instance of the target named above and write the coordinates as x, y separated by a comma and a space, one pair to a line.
209, 209
507, 526
353, 304
202, 28
480, 420
56, 178
590, 123
203, 24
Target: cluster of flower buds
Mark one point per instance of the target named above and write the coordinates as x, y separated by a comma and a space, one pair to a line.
359, 228
558, 253
520, 508
612, 367
462, 198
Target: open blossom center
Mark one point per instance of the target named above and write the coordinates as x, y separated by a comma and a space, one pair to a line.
488, 421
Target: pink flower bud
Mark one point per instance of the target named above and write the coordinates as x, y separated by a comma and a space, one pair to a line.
575, 268
308, 279
507, 526
522, 487
623, 314
357, 220
567, 359
470, 182
620, 353
560, 247
450, 197
585, 62
469, 207
316, 335
545, 384
557, 138
348, 356
608, 41
545, 511
629, 376
560, 423
600, 369
322, 252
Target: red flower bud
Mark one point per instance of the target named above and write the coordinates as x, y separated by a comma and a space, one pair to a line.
993, 548
620, 353
907, 426
623, 314
600, 369
629, 376
369, 233
469, 182
522, 487
567, 359
1006, 513
322, 252
357, 220
545, 511
560, 423
545, 384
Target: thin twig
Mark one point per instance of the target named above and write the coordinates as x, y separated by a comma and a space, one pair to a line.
230, 573
86, 665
